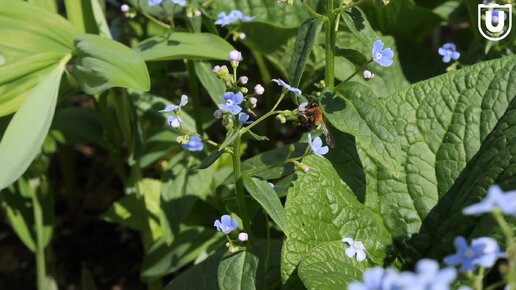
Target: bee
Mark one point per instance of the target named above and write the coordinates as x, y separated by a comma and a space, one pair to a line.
310, 117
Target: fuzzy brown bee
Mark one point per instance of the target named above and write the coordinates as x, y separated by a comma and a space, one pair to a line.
310, 117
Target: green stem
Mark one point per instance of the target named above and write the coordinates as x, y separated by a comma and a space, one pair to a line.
477, 285
344, 8
267, 251
358, 69
40, 247
239, 188
270, 113
196, 96
310, 9
330, 35
509, 243
151, 18
256, 171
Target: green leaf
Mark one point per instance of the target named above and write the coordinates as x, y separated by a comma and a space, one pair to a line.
21, 142
102, 63
49, 5
68, 120
353, 110
269, 164
257, 137
231, 135
267, 197
357, 23
357, 58
181, 45
209, 80
321, 210
457, 135
162, 259
239, 271
208, 161
307, 36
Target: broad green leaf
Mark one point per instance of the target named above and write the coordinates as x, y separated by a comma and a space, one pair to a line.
181, 45
100, 19
355, 57
157, 146
353, 110
323, 268
456, 133
267, 197
269, 165
239, 271
49, 5
209, 80
208, 161
82, 16
78, 125
321, 210
102, 63
162, 259
307, 37
21, 142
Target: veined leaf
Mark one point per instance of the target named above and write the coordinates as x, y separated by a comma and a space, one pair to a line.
209, 80
181, 45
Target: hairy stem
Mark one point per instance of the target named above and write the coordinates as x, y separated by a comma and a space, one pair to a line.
330, 35
239, 187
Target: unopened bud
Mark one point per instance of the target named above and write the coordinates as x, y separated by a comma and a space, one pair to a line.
244, 90
235, 56
217, 114
197, 13
368, 75
216, 69
259, 90
381, 3
253, 102
244, 80
301, 167
124, 8
281, 118
242, 36
243, 236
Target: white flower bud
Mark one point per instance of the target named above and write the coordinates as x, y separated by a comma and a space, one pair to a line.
242, 36
259, 90
244, 80
368, 75
235, 56
124, 8
197, 13
243, 236
216, 69
253, 102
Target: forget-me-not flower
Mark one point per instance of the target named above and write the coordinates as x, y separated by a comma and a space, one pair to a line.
243, 119
154, 2
194, 144
482, 252
232, 102
234, 16
179, 2
172, 107
287, 86
378, 278
355, 248
449, 51
495, 199
373, 280
226, 224
382, 56
174, 121
430, 277
316, 145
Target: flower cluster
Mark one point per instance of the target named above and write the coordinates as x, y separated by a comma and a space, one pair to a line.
483, 252
226, 225
427, 276
232, 17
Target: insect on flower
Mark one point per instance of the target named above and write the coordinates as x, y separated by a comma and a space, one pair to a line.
310, 117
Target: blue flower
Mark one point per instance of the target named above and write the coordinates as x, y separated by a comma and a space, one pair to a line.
243, 119
378, 278
355, 248
232, 103
227, 225
154, 2
302, 106
430, 277
234, 16
373, 280
449, 51
316, 146
483, 252
194, 144
172, 107
495, 199
287, 86
382, 56
174, 122
179, 2
495, 14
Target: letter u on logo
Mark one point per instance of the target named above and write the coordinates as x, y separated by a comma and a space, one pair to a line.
494, 27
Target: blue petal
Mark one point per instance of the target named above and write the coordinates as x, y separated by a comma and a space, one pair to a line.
323, 150
387, 53
446, 58
385, 62
226, 220
235, 109
238, 98
184, 101
377, 47
442, 51
455, 55
169, 108
317, 143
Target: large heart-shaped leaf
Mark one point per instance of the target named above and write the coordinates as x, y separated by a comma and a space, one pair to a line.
321, 210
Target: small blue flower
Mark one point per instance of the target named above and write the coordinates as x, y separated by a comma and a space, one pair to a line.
430, 277
243, 119
483, 252
227, 225
234, 16
174, 122
194, 144
382, 56
373, 280
495, 199
355, 248
449, 51
495, 14
302, 106
287, 86
179, 2
316, 146
378, 278
232, 102
154, 2
172, 107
